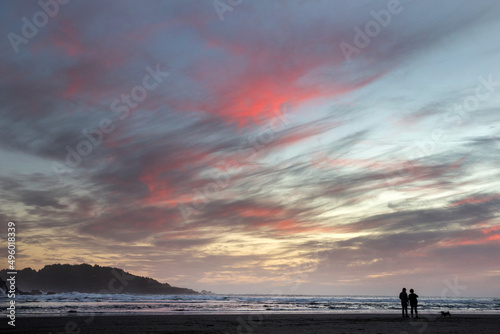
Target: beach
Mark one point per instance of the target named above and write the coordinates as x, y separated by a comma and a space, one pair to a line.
257, 323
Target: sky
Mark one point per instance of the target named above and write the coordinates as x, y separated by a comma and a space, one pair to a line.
286, 147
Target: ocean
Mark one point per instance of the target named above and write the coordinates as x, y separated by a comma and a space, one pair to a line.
108, 304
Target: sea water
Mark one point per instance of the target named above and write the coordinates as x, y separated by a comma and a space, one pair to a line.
105, 304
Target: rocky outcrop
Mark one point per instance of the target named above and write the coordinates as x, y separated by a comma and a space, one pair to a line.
89, 279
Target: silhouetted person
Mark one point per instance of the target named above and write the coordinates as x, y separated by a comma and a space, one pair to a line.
404, 302
413, 302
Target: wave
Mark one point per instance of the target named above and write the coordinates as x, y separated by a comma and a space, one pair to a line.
126, 303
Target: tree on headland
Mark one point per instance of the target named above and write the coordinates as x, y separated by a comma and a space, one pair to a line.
90, 279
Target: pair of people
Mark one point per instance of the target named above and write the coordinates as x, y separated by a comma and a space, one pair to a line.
412, 298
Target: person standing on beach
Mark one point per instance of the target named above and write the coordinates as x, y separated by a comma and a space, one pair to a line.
404, 302
413, 302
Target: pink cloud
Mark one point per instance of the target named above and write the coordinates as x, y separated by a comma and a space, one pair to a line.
262, 75
475, 200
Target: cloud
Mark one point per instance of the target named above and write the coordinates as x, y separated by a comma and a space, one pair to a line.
39, 198
291, 159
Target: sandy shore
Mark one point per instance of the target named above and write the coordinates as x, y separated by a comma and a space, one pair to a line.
269, 323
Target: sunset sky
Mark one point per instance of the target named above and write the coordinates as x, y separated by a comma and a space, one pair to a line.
295, 147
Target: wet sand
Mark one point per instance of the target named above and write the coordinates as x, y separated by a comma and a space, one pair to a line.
255, 323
